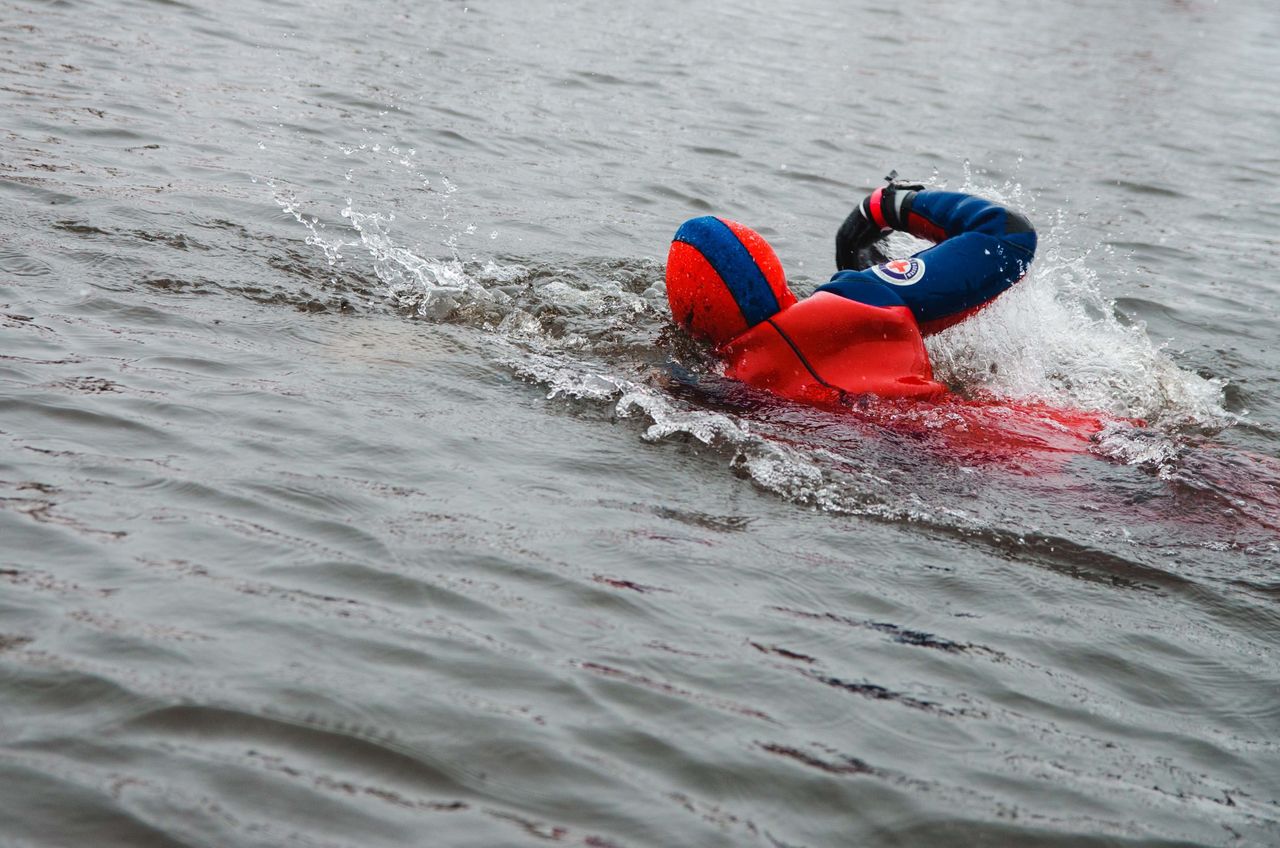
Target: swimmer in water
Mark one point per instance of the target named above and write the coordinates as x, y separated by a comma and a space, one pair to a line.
860, 336
862, 333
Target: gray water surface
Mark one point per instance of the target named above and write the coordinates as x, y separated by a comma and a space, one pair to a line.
356, 491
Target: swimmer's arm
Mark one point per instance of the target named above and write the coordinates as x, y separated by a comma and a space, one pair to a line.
931, 215
981, 250
940, 215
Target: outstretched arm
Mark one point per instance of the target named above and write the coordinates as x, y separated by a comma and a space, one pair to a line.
981, 250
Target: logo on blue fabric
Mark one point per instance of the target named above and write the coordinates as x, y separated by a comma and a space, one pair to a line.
900, 272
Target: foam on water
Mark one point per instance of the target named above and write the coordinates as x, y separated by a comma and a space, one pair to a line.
811, 474
1057, 337
1054, 337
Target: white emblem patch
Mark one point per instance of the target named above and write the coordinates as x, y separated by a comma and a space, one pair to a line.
900, 272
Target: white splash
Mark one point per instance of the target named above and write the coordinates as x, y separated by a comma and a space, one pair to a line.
434, 288
1057, 337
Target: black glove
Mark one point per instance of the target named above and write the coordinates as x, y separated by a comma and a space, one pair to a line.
856, 240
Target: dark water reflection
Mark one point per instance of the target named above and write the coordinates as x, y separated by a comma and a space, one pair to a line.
353, 490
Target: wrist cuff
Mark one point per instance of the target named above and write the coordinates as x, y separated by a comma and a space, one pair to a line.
888, 208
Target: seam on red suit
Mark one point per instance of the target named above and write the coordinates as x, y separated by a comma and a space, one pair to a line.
801, 356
